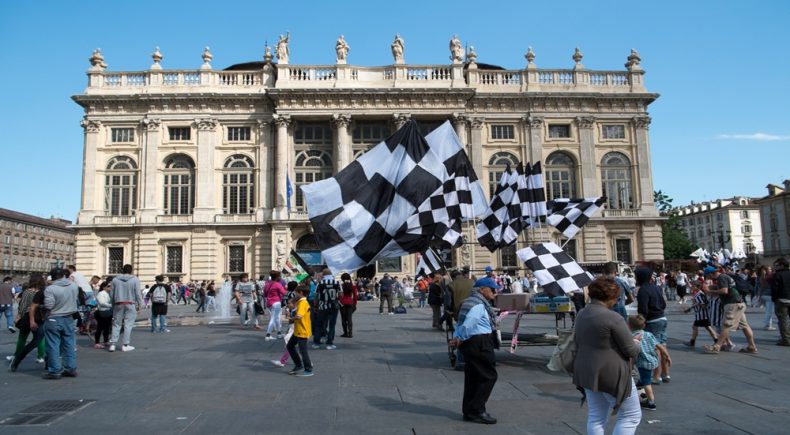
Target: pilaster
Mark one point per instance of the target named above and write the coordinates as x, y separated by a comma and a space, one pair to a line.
642, 164
264, 167
535, 138
91, 128
342, 151
460, 122
149, 207
476, 145
283, 153
589, 180
205, 187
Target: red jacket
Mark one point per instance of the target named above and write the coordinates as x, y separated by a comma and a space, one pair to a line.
348, 299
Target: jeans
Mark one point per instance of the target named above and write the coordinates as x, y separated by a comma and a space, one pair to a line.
247, 313
210, 304
162, 322
61, 340
123, 315
8, 310
769, 311
600, 406
327, 319
388, 297
274, 319
782, 311
201, 305
38, 341
302, 358
659, 329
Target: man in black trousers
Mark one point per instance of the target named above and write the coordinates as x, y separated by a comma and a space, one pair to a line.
475, 336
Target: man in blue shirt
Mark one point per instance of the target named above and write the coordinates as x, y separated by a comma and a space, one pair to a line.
475, 336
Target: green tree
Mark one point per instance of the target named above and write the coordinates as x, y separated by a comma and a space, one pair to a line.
677, 245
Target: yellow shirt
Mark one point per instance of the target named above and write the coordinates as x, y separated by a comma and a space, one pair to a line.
302, 327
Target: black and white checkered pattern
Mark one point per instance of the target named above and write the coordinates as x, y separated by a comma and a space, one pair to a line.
429, 263
556, 272
569, 215
395, 198
534, 197
494, 227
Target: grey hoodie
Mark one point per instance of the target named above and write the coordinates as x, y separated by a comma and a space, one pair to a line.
126, 288
60, 297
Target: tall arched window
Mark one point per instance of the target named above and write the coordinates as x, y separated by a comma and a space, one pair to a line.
238, 193
560, 176
311, 166
179, 184
120, 186
616, 178
496, 166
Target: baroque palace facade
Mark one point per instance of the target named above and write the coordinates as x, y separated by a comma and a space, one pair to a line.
187, 172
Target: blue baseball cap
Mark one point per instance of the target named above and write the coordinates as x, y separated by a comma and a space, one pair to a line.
487, 282
488, 269
710, 269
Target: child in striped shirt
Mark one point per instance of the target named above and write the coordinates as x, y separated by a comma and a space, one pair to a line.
715, 313
701, 315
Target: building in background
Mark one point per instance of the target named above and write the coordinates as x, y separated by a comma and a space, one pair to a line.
775, 216
732, 224
187, 172
31, 244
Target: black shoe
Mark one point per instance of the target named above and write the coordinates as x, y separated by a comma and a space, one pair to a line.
483, 418
782, 343
50, 376
69, 374
650, 406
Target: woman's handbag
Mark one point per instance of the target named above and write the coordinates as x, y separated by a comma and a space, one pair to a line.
564, 355
258, 308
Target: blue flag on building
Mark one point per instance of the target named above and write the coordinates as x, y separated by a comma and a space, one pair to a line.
289, 191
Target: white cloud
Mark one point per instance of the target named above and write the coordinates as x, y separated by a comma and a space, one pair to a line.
754, 136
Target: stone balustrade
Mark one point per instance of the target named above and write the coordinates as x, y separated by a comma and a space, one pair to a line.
114, 220
348, 76
621, 213
174, 219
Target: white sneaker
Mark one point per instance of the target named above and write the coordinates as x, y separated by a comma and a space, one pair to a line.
277, 363
269, 338
127, 348
331, 347
112, 348
9, 358
165, 330
40, 360
391, 314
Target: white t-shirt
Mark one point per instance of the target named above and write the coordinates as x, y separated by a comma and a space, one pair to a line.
681, 278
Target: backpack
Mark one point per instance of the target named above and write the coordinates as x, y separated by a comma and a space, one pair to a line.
400, 309
158, 294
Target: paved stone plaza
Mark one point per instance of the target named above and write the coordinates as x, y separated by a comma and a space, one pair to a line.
393, 377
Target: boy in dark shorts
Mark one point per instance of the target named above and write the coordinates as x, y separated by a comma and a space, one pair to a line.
701, 315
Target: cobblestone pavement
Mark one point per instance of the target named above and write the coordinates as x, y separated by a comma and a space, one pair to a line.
393, 377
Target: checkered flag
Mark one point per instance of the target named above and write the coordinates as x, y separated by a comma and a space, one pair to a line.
556, 272
534, 197
429, 263
395, 198
569, 215
494, 228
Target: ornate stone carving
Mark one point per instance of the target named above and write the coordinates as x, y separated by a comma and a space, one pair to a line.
585, 121
283, 121
477, 123
471, 55
456, 50
150, 124
466, 255
340, 120
577, 57
642, 121
634, 61
90, 125
399, 119
530, 56
459, 119
535, 122
267, 54
280, 250
207, 57
341, 49
283, 53
97, 60
157, 57
397, 49
206, 124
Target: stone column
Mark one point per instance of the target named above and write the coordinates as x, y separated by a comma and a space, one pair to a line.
535, 138
460, 121
476, 146
89, 172
588, 175
283, 155
342, 152
263, 166
149, 206
642, 163
206, 206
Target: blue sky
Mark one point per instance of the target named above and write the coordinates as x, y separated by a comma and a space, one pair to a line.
720, 127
